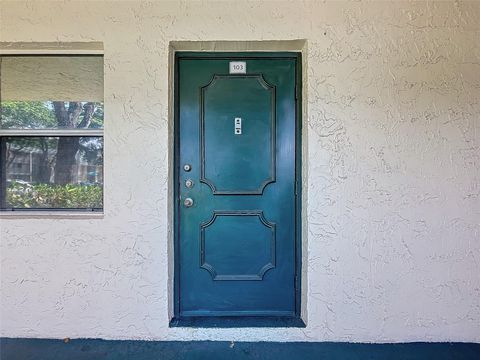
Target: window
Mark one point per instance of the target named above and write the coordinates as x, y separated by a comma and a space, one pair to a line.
51, 132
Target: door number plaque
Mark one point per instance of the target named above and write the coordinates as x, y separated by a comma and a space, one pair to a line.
238, 67
238, 126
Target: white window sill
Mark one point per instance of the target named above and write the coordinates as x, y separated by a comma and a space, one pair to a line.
50, 215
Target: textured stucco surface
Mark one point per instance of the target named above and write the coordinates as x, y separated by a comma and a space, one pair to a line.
393, 208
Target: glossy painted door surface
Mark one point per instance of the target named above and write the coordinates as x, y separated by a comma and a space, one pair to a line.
236, 244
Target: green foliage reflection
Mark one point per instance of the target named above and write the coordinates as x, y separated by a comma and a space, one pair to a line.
23, 195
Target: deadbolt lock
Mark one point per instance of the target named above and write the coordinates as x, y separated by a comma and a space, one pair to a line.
188, 202
187, 167
189, 183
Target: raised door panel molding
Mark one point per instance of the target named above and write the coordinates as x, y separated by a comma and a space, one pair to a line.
237, 245
236, 162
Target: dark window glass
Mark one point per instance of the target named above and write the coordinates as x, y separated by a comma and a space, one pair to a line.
52, 172
51, 127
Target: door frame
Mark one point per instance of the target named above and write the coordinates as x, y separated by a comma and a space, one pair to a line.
246, 321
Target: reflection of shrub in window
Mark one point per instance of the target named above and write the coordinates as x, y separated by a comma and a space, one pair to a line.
51, 132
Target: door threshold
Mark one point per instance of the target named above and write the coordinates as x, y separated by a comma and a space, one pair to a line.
236, 321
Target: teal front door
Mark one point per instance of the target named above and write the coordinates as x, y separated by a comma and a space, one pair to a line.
236, 212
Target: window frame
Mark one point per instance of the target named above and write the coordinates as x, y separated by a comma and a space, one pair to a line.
49, 132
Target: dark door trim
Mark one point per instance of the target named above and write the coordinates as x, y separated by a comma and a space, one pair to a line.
246, 321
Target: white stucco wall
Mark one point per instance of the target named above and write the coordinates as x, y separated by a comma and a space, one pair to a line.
393, 210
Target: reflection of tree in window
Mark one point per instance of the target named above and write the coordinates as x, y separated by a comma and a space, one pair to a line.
73, 116
52, 171
51, 132
53, 114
